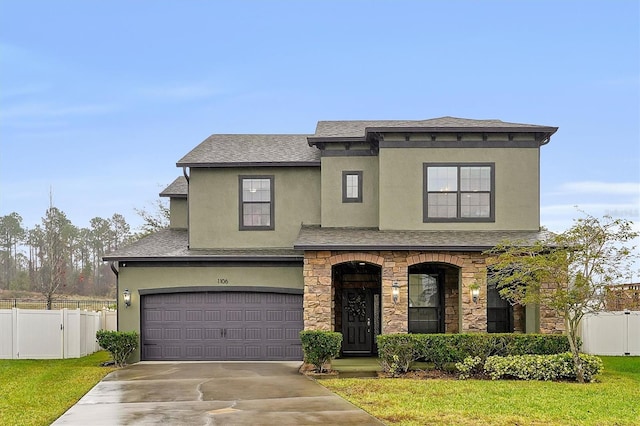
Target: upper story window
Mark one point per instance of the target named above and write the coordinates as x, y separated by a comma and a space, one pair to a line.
459, 192
352, 187
256, 203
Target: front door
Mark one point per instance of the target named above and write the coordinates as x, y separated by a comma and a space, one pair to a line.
358, 322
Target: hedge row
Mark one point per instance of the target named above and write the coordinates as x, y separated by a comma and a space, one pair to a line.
530, 367
398, 351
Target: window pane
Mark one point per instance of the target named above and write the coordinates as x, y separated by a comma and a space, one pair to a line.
475, 205
494, 300
352, 186
442, 179
256, 190
256, 214
423, 291
442, 205
475, 178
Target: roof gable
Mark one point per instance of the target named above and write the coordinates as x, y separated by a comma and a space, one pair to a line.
177, 189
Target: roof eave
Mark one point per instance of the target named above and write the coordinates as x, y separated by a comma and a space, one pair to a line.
338, 247
201, 258
250, 164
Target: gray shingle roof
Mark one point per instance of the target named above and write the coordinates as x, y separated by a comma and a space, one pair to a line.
358, 128
178, 188
317, 238
239, 150
171, 245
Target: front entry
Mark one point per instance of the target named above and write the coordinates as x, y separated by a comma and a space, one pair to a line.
357, 322
357, 306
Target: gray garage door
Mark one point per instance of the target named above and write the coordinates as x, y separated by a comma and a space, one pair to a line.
221, 326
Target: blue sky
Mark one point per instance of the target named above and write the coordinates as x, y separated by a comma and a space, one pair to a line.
98, 100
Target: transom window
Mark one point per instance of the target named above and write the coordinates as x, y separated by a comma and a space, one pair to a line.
352, 187
256, 202
462, 192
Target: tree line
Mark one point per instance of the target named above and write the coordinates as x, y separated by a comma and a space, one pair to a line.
57, 257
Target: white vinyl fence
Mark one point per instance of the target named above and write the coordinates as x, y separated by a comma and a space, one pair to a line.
611, 333
55, 334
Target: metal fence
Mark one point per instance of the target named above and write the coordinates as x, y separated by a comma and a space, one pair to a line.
89, 305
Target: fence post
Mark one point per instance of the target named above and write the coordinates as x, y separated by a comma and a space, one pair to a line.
627, 315
14, 333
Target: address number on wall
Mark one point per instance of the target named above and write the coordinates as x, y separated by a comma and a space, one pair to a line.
223, 281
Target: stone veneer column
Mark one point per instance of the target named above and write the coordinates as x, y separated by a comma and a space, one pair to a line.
318, 297
550, 322
395, 316
473, 271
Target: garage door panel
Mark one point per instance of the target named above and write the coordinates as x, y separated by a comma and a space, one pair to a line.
170, 315
222, 326
171, 334
213, 315
193, 334
253, 315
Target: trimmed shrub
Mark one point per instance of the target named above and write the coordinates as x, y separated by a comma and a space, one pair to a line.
120, 344
471, 366
541, 367
320, 347
397, 352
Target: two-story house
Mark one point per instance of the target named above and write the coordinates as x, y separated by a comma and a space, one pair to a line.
364, 227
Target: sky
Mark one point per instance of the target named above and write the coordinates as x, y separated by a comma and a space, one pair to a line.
100, 99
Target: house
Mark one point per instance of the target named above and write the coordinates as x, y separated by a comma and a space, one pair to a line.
364, 227
622, 297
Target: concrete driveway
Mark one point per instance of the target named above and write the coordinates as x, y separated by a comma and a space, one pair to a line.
212, 393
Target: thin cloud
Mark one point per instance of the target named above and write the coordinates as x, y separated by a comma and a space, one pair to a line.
38, 110
185, 92
595, 187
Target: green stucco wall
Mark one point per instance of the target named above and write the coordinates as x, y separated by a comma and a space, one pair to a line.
335, 213
138, 278
517, 205
178, 213
214, 206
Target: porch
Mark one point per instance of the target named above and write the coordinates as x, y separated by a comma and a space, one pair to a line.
363, 294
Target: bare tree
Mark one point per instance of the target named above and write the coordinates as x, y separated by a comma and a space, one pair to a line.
53, 254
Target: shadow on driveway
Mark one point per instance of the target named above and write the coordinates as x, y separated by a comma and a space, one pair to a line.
212, 393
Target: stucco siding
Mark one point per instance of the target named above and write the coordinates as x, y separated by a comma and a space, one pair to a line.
178, 213
516, 187
335, 212
214, 206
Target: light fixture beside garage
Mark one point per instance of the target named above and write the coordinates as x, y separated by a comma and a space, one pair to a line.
126, 296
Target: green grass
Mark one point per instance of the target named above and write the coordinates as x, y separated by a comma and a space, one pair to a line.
613, 400
36, 392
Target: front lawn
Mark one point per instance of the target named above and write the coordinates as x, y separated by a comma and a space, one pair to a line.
613, 400
36, 392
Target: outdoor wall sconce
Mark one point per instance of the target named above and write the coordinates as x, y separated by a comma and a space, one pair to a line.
395, 292
475, 294
126, 296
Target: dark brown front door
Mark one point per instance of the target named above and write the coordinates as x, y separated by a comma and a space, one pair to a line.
357, 322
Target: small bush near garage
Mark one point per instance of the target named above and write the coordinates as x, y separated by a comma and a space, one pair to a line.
398, 351
541, 367
120, 344
320, 347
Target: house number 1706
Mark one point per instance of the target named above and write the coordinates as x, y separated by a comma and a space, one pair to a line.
223, 281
